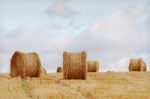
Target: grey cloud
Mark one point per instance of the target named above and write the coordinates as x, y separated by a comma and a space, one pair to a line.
60, 8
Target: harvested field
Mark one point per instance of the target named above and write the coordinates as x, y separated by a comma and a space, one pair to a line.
108, 85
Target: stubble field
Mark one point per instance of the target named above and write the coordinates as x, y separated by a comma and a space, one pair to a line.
104, 85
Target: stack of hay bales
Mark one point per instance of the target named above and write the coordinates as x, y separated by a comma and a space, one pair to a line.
93, 66
59, 70
25, 65
137, 65
75, 65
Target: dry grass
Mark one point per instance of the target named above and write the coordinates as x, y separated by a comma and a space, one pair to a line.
43, 70
109, 85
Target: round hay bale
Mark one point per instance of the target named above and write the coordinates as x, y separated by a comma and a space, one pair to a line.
59, 70
43, 70
25, 65
137, 65
75, 65
93, 66
143, 65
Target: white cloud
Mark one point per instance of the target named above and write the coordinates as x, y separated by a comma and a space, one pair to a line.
139, 9
119, 65
60, 8
119, 26
119, 30
48, 45
114, 39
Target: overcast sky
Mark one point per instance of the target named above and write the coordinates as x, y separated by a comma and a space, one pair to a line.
111, 31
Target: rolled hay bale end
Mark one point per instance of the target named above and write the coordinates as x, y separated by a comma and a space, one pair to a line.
59, 69
25, 65
75, 65
43, 70
137, 64
93, 66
